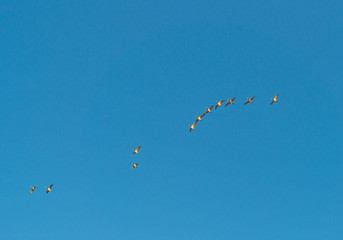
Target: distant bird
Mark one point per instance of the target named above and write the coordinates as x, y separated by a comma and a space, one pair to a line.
249, 100
134, 165
230, 101
49, 188
208, 110
274, 99
32, 189
192, 126
136, 150
219, 104
199, 118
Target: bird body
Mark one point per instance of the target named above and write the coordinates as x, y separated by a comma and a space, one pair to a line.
249, 100
274, 99
134, 165
219, 104
49, 188
135, 151
32, 189
208, 110
192, 127
199, 118
230, 101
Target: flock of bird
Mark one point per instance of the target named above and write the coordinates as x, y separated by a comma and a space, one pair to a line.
219, 104
135, 151
48, 189
192, 127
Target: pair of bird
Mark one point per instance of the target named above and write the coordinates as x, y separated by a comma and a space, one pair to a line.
135, 151
209, 110
274, 99
219, 104
48, 189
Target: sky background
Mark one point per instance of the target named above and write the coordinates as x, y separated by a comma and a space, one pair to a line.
85, 82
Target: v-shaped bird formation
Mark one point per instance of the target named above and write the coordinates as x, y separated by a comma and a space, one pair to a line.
219, 104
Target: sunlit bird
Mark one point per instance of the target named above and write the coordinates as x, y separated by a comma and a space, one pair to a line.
136, 150
219, 104
249, 100
32, 189
134, 165
192, 127
274, 99
49, 188
230, 101
208, 110
199, 118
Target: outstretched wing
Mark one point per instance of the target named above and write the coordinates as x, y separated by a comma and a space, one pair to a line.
233, 99
51, 186
227, 104
246, 102
272, 102
211, 107
252, 98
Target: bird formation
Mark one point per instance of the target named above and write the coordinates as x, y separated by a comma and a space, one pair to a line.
135, 151
219, 104
48, 189
192, 127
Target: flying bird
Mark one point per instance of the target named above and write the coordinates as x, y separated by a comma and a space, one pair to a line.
134, 165
199, 118
192, 126
136, 150
230, 101
49, 188
32, 189
274, 99
249, 100
219, 104
208, 110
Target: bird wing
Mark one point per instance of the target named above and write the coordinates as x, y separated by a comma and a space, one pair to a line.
211, 107
252, 98
233, 99
139, 148
272, 102
246, 102
227, 104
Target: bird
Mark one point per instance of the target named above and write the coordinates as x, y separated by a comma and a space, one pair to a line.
136, 150
230, 101
274, 99
49, 188
134, 165
219, 104
32, 189
249, 100
199, 118
192, 127
208, 110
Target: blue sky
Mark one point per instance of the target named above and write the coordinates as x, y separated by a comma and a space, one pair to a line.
85, 82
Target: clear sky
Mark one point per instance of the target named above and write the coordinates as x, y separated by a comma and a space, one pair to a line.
85, 82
